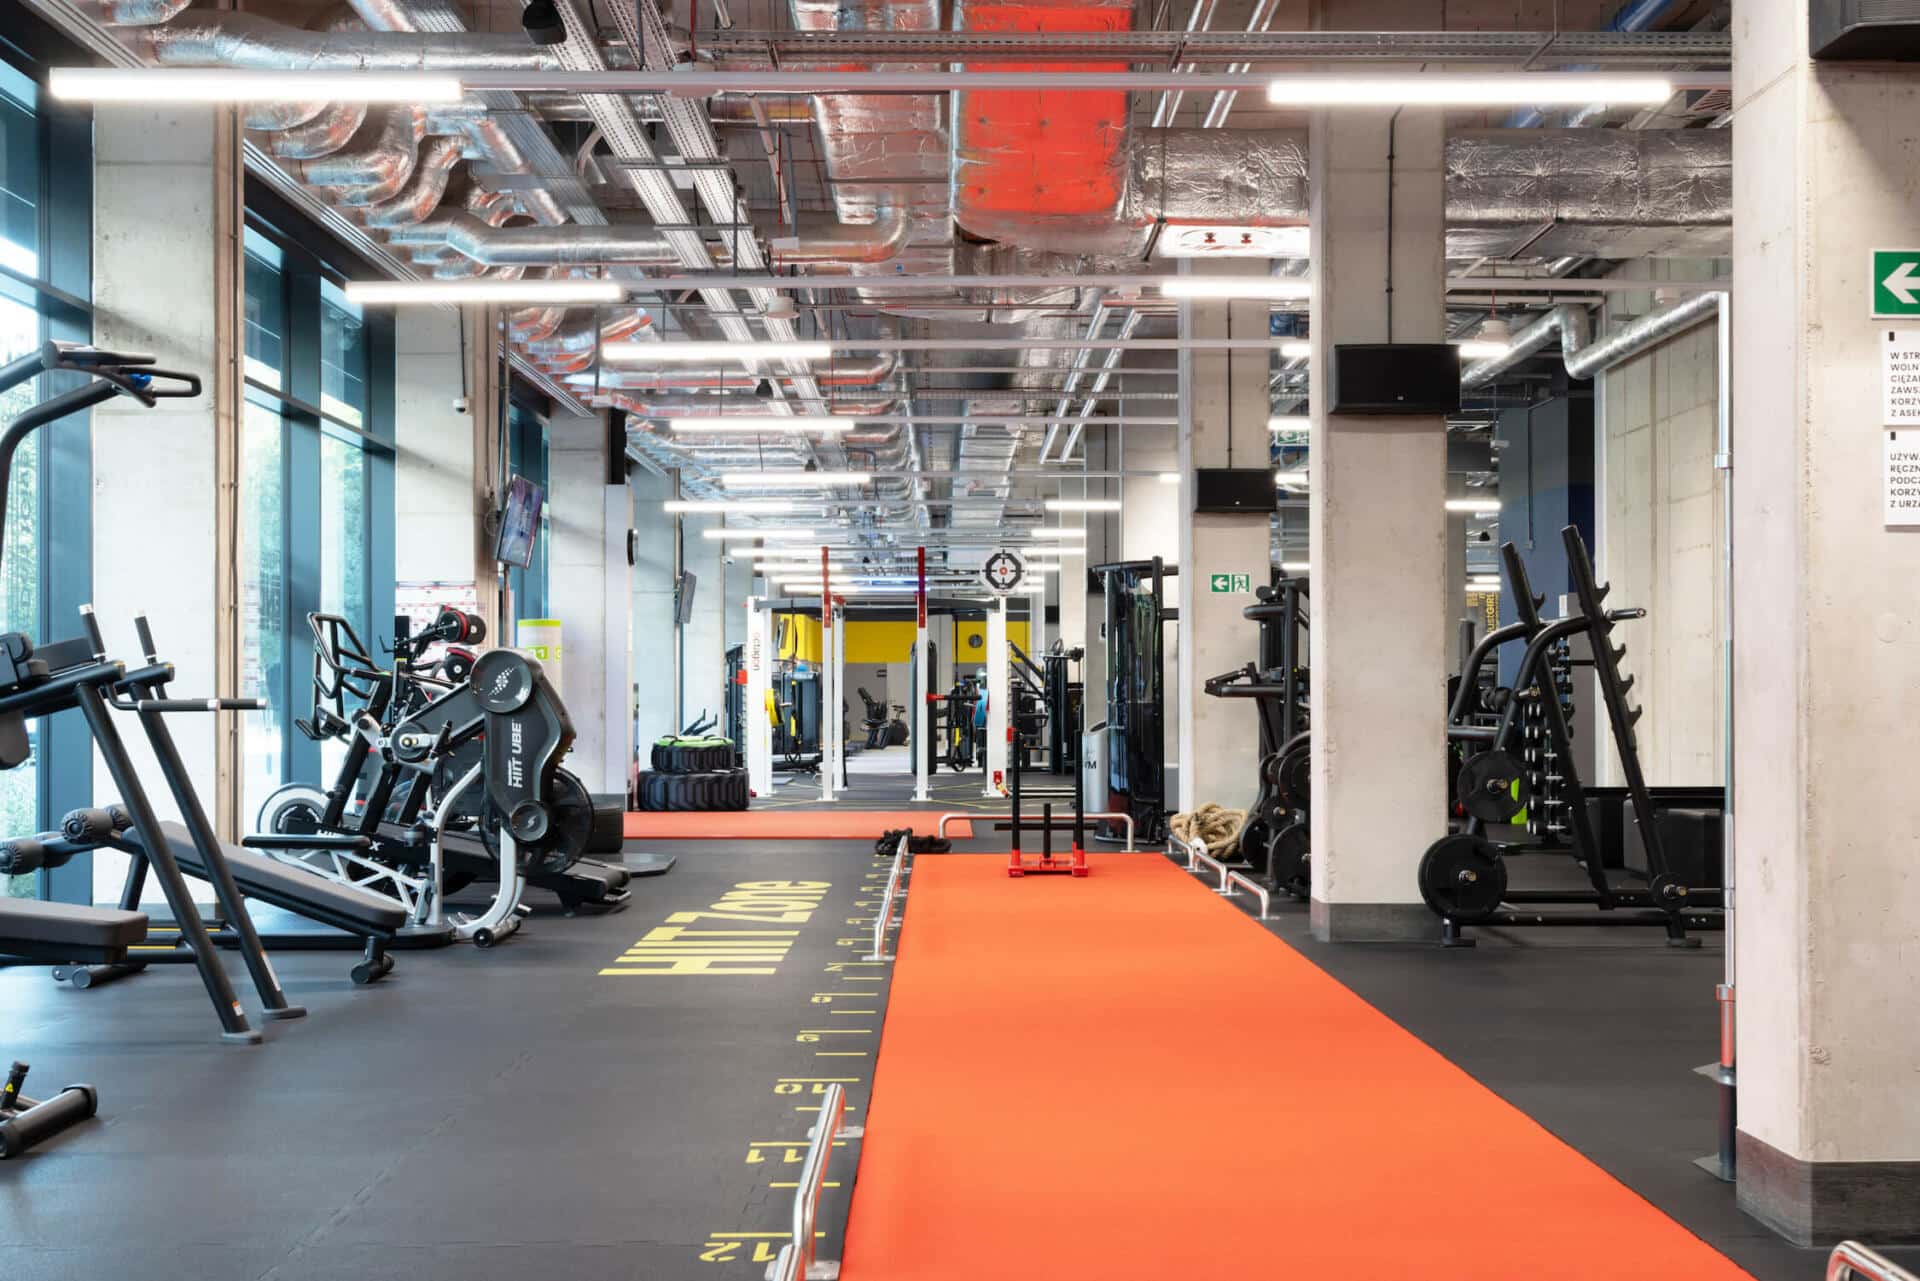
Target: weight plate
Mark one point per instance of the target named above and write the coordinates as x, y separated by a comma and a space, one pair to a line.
1289, 860
1295, 781
1254, 835
1462, 879
1492, 786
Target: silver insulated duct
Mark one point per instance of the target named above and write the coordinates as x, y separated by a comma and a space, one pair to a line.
1585, 359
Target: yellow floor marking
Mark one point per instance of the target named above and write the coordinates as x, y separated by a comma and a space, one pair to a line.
853, 1011
839, 1054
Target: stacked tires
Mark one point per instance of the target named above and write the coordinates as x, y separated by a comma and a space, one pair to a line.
692, 774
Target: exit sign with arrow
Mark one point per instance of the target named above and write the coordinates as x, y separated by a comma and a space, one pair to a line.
1896, 283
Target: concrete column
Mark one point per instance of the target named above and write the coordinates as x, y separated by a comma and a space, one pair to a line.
1826, 648
438, 484
166, 255
653, 646
587, 569
1380, 638
1224, 408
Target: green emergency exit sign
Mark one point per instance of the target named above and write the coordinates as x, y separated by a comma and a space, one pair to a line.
1896, 283
1231, 582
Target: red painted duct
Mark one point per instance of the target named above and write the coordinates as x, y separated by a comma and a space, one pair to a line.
1028, 164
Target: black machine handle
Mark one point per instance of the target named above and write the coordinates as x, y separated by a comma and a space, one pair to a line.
200, 705
87, 617
307, 841
145, 633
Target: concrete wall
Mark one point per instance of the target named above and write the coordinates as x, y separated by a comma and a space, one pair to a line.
703, 661
1661, 520
654, 655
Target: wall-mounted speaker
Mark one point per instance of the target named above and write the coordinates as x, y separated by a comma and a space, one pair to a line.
1395, 378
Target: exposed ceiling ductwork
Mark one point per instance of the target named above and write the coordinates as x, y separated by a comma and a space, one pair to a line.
848, 189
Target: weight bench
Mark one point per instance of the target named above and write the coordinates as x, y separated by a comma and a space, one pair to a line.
67, 932
343, 907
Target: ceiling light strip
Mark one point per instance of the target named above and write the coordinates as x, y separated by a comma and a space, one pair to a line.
1321, 89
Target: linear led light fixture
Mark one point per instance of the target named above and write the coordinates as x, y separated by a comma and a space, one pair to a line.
1289, 422
1169, 478
511, 291
1474, 506
1083, 504
1235, 287
1514, 89
1294, 566
797, 479
723, 535
1297, 476
1295, 349
728, 507
671, 353
221, 84
1482, 349
751, 424
1057, 531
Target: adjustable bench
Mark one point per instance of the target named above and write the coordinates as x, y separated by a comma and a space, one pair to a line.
39, 931
373, 917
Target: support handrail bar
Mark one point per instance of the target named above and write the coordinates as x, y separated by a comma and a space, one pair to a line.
1850, 1259
885, 916
1197, 851
796, 1261
1259, 891
940, 826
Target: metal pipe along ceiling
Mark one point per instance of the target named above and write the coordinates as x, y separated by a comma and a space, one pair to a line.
540, 246
1584, 358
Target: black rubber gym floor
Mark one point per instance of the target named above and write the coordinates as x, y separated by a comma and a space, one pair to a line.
526, 1113
520, 1114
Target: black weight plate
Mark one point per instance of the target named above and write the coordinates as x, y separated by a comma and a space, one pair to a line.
1289, 860
1254, 835
1462, 879
1295, 780
1493, 787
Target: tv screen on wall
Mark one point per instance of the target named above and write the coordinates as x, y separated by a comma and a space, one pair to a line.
519, 522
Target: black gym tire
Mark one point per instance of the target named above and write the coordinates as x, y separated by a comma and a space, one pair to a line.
709, 791
692, 757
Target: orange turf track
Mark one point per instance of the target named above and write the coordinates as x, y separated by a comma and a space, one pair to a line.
787, 825
1122, 1077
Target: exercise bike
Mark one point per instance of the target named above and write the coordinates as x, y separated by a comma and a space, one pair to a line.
408, 828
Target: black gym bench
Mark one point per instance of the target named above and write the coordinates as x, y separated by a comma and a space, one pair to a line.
371, 917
